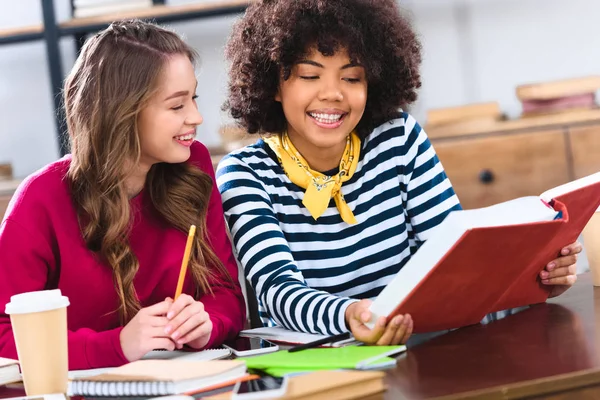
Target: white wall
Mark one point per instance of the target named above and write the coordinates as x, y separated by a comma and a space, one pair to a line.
474, 50
480, 50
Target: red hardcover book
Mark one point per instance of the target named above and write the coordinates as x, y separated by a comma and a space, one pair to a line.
489, 259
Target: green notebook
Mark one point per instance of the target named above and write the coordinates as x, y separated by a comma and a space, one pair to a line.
350, 357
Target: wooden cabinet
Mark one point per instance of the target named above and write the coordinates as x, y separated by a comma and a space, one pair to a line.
486, 171
505, 160
585, 147
3, 204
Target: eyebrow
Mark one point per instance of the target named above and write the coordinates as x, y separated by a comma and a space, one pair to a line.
178, 94
316, 64
181, 93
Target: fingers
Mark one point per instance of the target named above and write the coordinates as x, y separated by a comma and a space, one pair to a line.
157, 332
573, 248
558, 272
362, 332
404, 331
568, 280
195, 320
391, 330
562, 261
158, 309
397, 331
175, 307
185, 314
201, 330
157, 321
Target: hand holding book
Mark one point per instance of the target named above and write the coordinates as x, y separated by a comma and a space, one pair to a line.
395, 331
561, 273
492, 259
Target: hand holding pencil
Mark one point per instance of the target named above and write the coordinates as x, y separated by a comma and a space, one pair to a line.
188, 322
185, 261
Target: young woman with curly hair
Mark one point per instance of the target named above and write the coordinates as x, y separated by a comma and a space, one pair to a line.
344, 186
108, 223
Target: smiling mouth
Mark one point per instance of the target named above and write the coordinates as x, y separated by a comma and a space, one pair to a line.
186, 137
326, 118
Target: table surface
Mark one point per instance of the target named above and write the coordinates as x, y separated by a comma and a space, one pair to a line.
543, 349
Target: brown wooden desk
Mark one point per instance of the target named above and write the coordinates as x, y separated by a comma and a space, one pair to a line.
549, 350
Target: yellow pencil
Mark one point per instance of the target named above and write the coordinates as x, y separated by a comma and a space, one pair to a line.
186, 259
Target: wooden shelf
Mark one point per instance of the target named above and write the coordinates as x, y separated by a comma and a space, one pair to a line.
159, 13
8, 187
476, 127
51, 31
21, 34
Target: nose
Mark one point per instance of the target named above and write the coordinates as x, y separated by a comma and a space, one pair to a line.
194, 117
331, 90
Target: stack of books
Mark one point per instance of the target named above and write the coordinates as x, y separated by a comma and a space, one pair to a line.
92, 8
559, 96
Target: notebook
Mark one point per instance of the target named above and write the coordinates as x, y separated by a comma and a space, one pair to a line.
204, 355
9, 371
157, 378
485, 260
285, 336
351, 357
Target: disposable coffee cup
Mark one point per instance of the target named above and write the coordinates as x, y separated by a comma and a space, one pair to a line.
591, 242
39, 324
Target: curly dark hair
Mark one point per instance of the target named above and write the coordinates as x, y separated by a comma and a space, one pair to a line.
275, 34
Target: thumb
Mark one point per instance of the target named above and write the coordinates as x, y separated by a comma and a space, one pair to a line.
365, 316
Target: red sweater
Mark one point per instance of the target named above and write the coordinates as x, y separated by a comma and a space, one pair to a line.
41, 247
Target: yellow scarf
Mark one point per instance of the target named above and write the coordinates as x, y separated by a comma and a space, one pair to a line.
319, 188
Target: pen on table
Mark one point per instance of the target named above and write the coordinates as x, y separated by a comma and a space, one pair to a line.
316, 343
185, 261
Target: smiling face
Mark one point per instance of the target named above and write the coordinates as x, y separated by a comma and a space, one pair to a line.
167, 125
323, 100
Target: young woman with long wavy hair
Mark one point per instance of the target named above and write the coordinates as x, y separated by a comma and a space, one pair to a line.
108, 223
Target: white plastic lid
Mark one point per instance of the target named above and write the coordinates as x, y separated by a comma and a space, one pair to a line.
30, 302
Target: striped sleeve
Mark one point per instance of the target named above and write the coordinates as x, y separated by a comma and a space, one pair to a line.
266, 257
428, 191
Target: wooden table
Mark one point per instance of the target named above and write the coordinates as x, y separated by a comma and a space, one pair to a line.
549, 350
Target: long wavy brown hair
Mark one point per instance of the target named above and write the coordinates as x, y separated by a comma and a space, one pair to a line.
117, 72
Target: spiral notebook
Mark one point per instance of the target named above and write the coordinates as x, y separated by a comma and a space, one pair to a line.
204, 355
157, 378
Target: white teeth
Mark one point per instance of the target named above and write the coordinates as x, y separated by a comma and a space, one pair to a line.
326, 118
185, 137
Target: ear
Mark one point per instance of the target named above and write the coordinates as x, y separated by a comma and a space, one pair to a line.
278, 95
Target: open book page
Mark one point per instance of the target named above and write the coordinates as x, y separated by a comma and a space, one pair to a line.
280, 334
285, 336
515, 212
570, 187
205, 355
